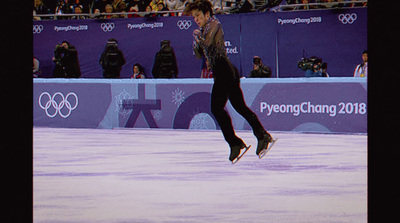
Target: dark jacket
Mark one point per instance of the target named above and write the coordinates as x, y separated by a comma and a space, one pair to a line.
165, 65
112, 60
264, 71
67, 63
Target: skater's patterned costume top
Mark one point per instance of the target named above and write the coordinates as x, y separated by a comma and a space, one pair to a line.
211, 42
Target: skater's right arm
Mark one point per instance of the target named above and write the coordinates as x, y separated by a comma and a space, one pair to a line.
197, 49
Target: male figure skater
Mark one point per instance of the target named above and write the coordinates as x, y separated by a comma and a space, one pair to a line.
209, 41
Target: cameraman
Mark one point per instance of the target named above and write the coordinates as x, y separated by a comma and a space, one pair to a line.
259, 70
66, 60
165, 65
112, 59
313, 67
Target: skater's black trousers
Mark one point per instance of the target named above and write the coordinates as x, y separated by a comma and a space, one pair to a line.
227, 86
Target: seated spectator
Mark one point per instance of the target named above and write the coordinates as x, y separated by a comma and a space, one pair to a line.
141, 4
101, 4
154, 3
63, 8
133, 9
161, 8
40, 8
176, 4
149, 10
259, 70
77, 3
138, 72
119, 6
78, 10
110, 9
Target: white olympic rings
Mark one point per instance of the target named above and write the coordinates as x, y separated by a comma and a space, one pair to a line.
37, 29
347, 18
107, 27
58, 105
184, 24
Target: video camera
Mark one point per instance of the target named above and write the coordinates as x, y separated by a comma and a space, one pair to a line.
308, 63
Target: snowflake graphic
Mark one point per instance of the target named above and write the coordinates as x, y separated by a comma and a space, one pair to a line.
178, 97
119, 103
199, 121
157, 114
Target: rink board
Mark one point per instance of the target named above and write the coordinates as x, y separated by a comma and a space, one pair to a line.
329, 105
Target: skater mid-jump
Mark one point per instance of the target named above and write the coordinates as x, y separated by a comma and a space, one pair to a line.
209, 42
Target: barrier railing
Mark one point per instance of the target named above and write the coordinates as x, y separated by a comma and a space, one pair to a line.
307, 6
101, 15
297, 7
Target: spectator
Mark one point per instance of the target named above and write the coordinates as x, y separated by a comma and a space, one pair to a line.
36, 68
110, 9
259, 70
40, 8
78, 10
112, 59
66, 60
97, 14
101, 4
77, 3
165, 62
176, 4
133, 9
149, 10
63, 7
141, 4
154, 3
362, 69
119, 5
160, 8
138, 72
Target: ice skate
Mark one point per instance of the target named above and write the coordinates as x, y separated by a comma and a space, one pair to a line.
264, 145
237, 152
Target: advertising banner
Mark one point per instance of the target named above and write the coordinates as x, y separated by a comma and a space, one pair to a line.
326, 105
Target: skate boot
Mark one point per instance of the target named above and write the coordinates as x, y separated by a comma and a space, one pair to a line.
264, 145
237, 152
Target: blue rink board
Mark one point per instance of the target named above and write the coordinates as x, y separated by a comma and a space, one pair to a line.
328, 105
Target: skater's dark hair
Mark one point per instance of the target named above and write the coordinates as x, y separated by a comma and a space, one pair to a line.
201, 5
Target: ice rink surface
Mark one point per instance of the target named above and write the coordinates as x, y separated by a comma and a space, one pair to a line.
143, 175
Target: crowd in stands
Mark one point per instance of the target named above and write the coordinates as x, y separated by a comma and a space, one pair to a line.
155, 7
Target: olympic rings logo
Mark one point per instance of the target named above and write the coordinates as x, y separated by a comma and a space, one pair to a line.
107, 27
57, 106
184, 24
347, 18
37, 29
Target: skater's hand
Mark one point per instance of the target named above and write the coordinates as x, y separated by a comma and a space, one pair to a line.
197, 35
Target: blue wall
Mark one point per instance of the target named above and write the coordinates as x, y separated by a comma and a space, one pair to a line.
336, 36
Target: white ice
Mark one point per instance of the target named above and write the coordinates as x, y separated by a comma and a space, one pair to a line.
143, 175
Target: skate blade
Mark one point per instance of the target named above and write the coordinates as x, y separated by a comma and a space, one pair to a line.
265, 151
240, 156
